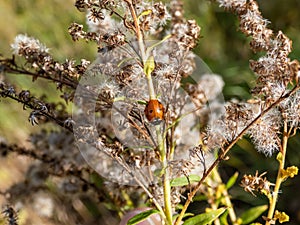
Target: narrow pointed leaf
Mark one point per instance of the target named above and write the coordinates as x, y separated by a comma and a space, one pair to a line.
185, 215
205, 218
145, 13
183, 181
149, 66
253, 213
232, 180
141, 216
223, 218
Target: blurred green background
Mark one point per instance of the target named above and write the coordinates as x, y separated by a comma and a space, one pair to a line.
47, 21
222, 47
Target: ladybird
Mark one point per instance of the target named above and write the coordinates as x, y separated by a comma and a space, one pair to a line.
154, 111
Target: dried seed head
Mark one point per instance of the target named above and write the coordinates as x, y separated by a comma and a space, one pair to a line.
256, 183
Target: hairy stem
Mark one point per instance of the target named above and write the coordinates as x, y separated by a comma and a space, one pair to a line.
279, 179
166, 175
142, 47
138, 32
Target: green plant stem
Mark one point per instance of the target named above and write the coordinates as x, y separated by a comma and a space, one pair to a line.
148, 63
226, 197
151, 89
279, 179
230, 209
166, 176
167, 213
211, 193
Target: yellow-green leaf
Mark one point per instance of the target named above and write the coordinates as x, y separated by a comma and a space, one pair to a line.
141, 216
232, 180
253, 213
149, 66
145, 13
183, 181
205, 218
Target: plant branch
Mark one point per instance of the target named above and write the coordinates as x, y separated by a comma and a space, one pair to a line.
281, 158
9, 66
44, 113
226, 150
166, 175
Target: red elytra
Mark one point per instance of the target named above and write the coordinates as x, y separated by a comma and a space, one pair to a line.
154, 111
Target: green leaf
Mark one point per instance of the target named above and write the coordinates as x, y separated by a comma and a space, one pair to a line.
253, 213
141, 216
185, 215
205, 218
183, 181
232, 180
223, 218
149, 66
200, 198
142, 102
145, 13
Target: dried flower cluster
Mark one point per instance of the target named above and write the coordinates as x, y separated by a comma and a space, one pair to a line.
144, 55
275, 71
116, 86
41, 110
120, 132
42, 63
256, 183
10, 215
59, 162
